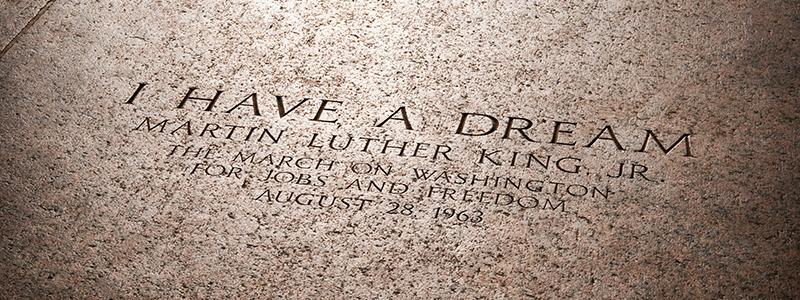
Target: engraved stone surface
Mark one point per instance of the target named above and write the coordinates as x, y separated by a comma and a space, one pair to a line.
501, 149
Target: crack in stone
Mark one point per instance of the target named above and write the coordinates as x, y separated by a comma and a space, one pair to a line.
30, 23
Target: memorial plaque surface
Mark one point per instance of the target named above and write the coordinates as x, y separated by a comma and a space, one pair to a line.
259, 149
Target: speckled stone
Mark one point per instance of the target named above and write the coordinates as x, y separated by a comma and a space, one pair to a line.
15, 15
94, 208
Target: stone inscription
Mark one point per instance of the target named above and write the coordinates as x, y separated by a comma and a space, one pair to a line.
448, 183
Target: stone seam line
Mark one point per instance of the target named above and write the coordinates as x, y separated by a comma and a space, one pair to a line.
30, 23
